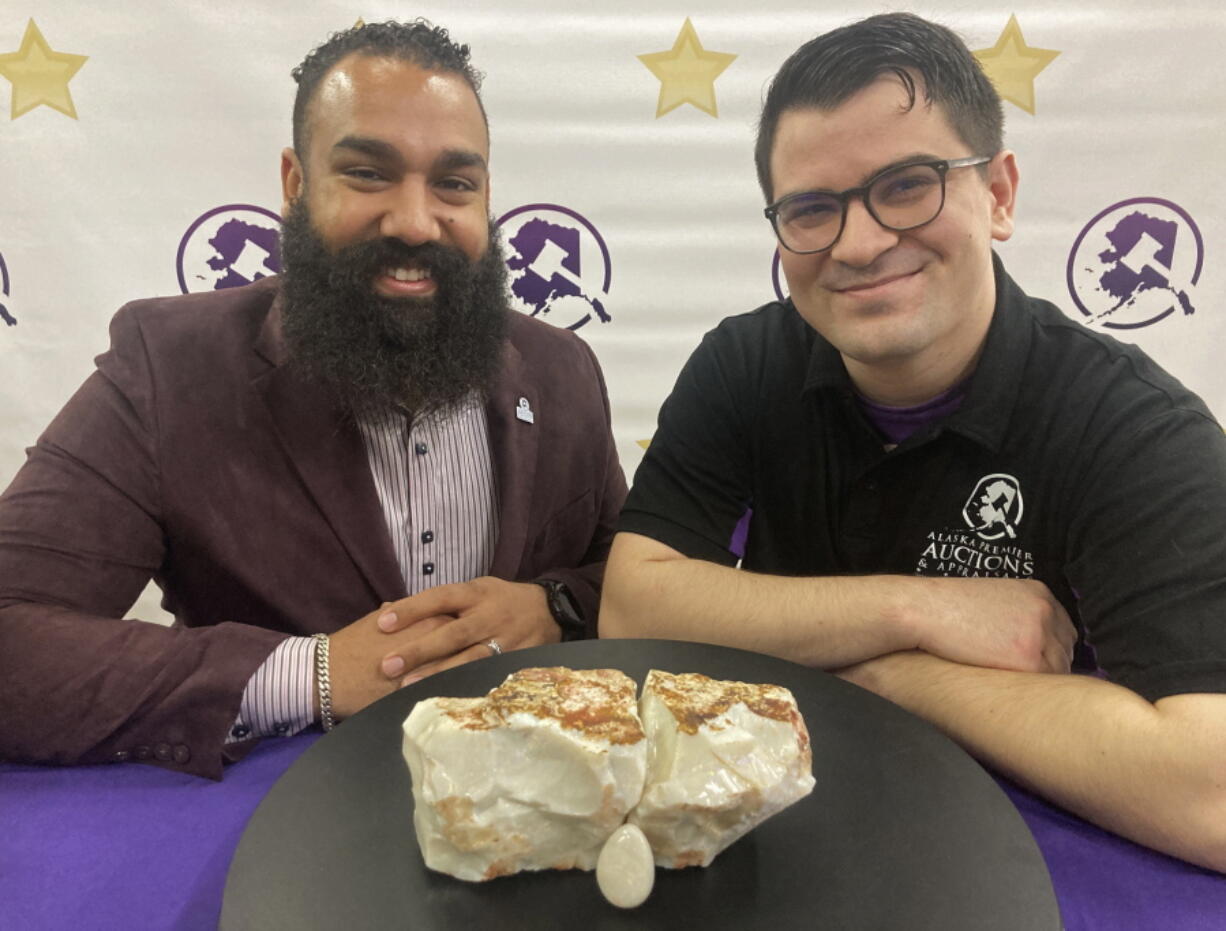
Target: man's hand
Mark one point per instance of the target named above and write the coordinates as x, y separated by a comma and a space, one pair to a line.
450, 625
407, 640
999, 623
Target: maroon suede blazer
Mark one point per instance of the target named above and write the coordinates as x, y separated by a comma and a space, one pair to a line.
196, 456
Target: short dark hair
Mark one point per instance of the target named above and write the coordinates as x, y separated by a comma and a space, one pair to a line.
826, 71
420, 42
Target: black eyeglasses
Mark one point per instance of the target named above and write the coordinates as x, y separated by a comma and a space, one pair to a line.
900, 199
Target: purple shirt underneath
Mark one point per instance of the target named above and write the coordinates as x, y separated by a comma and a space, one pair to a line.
893, 423
898, 423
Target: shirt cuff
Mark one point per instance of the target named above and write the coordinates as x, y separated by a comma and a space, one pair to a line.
279, 699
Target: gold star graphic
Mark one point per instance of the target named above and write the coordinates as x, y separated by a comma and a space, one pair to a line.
1012, 65
39, 75
687, 72
646, 443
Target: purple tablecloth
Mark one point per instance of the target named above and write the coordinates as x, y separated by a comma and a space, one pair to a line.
129, 846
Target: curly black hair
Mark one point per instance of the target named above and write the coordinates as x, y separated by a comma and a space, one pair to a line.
419, 42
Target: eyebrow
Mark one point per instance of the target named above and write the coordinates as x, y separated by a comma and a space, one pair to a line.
882, 169
460, 158
899, 163
449, 160
368, 145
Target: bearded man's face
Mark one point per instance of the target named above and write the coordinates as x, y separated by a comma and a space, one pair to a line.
394, 280
379, 353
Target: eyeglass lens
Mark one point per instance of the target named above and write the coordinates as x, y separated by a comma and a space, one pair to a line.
901, 199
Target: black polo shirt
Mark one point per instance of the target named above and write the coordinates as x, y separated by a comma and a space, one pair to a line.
1073, 459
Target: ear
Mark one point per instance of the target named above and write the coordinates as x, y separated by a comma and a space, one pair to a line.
1002, 190
292, 177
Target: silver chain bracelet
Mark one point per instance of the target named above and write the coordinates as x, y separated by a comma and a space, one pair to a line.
323, 682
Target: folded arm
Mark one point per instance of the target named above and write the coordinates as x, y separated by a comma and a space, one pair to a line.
1152, 772
651, 590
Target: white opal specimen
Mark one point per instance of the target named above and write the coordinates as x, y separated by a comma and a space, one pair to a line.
722, 758
536, 775
626, 869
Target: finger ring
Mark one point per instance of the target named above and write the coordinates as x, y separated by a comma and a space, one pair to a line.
495, 647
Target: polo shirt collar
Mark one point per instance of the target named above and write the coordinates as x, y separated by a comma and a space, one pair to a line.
993, 392
985, 412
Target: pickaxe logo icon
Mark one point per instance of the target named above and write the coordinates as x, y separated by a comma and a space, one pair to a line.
994, 508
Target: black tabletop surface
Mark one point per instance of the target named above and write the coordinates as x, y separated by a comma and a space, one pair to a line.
902, 831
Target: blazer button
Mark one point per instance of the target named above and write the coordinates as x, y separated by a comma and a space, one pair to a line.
427, 536
427, 569
181, 753
121, 756
143, 753
421, 449
162, 752
240, 732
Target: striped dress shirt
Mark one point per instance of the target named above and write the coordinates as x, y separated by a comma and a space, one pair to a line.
435, 483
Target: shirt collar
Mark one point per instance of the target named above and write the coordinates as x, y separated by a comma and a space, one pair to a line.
988, 407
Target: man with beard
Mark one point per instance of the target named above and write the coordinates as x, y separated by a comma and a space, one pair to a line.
343, 479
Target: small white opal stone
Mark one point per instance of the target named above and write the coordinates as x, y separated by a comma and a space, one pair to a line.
626, 869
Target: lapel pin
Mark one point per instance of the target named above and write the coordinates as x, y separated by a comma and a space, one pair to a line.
524, 411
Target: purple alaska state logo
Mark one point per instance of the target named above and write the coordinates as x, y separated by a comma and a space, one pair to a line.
559, 264
6, 307
1135, 263
229, 246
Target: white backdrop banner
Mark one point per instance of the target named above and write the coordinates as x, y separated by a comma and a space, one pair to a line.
140, 144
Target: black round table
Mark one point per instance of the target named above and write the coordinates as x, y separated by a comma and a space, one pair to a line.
902, 831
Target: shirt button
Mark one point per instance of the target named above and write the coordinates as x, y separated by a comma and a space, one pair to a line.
280, 728
182, 753
420, 449
162, 752
427, 568
121, 756
143, 753
240, 731
427, 536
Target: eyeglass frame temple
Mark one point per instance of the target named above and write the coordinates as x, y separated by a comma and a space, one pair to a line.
941, 166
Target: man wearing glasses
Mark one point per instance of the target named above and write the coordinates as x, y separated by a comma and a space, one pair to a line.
939, 487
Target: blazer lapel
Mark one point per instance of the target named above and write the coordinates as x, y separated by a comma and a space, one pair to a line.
514, 430
328, 454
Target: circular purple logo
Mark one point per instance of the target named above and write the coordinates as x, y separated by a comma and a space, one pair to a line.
229, 246
1135, 263
6, 305
559, 264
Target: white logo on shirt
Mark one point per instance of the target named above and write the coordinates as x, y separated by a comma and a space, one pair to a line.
994, 508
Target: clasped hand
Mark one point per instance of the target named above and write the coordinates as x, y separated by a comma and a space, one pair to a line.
407, 640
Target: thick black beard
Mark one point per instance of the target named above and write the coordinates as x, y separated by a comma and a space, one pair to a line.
376, 354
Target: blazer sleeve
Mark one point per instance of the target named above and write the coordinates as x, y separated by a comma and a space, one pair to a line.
585, 578
81, 534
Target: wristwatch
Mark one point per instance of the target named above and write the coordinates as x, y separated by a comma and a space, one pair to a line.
563, 608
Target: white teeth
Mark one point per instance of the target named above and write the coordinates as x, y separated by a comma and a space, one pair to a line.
408, 274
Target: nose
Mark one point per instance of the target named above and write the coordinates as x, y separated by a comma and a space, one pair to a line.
411, 215
863, 238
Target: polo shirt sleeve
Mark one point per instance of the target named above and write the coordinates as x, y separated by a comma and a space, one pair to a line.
1148, 546
693, 486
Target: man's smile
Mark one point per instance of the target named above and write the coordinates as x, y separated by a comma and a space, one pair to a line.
410, 280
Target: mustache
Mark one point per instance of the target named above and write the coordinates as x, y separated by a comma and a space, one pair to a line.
358, 262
